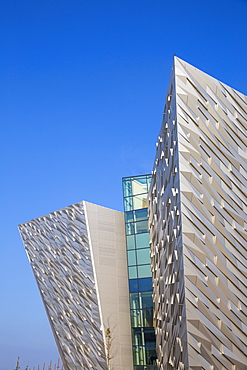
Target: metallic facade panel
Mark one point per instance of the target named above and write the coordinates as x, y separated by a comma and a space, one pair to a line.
107, 237
84, 291
198, 213
166, 245
58, 249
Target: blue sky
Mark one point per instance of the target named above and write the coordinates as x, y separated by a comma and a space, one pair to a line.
83, 85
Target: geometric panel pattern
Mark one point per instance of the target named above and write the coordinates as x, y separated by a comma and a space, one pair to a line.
208, 154
166, 245
58, 248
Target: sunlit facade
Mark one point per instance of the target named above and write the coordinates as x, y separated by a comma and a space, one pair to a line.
78, 257
198, 225
166, 278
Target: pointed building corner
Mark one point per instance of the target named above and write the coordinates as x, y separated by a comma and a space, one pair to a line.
195, 241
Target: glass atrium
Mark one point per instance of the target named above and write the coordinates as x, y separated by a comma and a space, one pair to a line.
135, 191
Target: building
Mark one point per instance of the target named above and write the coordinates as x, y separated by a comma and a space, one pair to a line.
78, 257
197, 229
198, 225
135, 191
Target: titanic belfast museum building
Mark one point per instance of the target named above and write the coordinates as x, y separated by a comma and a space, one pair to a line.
162, 285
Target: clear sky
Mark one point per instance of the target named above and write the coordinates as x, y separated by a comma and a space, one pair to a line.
83, 85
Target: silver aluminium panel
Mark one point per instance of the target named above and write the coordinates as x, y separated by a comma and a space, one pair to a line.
59, 252
198, 221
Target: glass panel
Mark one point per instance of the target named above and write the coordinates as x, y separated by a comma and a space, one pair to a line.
145, 285
141, 300
149, 336
133, 285
142, 240
137, 336
141, 214
140, 201
138, 355
130, 229
128, 204
136, 318
131, 258
141, 226
151, 358
132, 272
129, 216
130, 241
126, 188
139, 185
142, 318
143, 256
147, 317
144, 271
149, 178
134, 301
146, 300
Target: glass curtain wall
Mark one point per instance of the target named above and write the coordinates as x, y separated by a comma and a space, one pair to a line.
135, 191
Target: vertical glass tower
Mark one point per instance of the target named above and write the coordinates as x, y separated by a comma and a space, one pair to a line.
135, 191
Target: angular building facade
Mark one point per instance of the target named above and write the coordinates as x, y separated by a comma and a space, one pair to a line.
78, 257
198, 225
110, 298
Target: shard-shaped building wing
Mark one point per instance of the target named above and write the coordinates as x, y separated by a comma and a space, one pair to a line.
78, 256
198, 225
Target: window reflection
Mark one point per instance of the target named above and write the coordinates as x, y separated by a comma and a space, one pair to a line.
141, 227
144, 271
143, 256
142, 240
142, 318
130, 241
132, 258
132, 272
144, 354
140, 282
